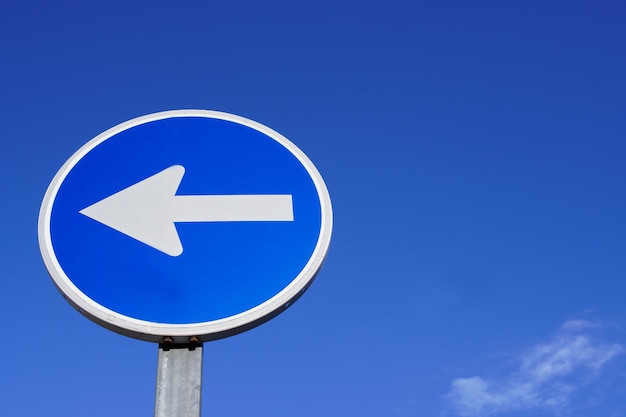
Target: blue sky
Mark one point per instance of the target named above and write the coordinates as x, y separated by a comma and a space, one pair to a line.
474, 153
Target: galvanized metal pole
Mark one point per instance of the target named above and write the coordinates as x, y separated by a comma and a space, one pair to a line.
179, 381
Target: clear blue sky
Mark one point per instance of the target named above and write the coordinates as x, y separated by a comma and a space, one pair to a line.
475, 155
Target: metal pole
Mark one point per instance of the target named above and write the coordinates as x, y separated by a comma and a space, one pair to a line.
179, 381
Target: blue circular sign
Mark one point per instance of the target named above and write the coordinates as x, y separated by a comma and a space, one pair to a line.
185, 223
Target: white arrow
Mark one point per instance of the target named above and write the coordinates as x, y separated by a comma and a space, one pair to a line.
147, 210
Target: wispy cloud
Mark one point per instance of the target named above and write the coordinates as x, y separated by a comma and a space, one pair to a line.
547, 376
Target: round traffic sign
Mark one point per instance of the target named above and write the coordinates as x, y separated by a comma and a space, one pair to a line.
187, 223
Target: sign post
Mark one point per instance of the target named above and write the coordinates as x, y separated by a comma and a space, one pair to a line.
179, 381
183, 227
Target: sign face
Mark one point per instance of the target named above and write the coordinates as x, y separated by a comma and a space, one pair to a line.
185, 223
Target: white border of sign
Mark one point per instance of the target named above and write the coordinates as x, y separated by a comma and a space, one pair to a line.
180, 333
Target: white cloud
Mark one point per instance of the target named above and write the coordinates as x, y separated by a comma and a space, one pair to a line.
548, 375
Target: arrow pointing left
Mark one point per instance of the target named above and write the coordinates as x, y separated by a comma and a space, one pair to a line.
147, 210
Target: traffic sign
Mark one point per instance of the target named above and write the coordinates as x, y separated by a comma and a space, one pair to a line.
187, 223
